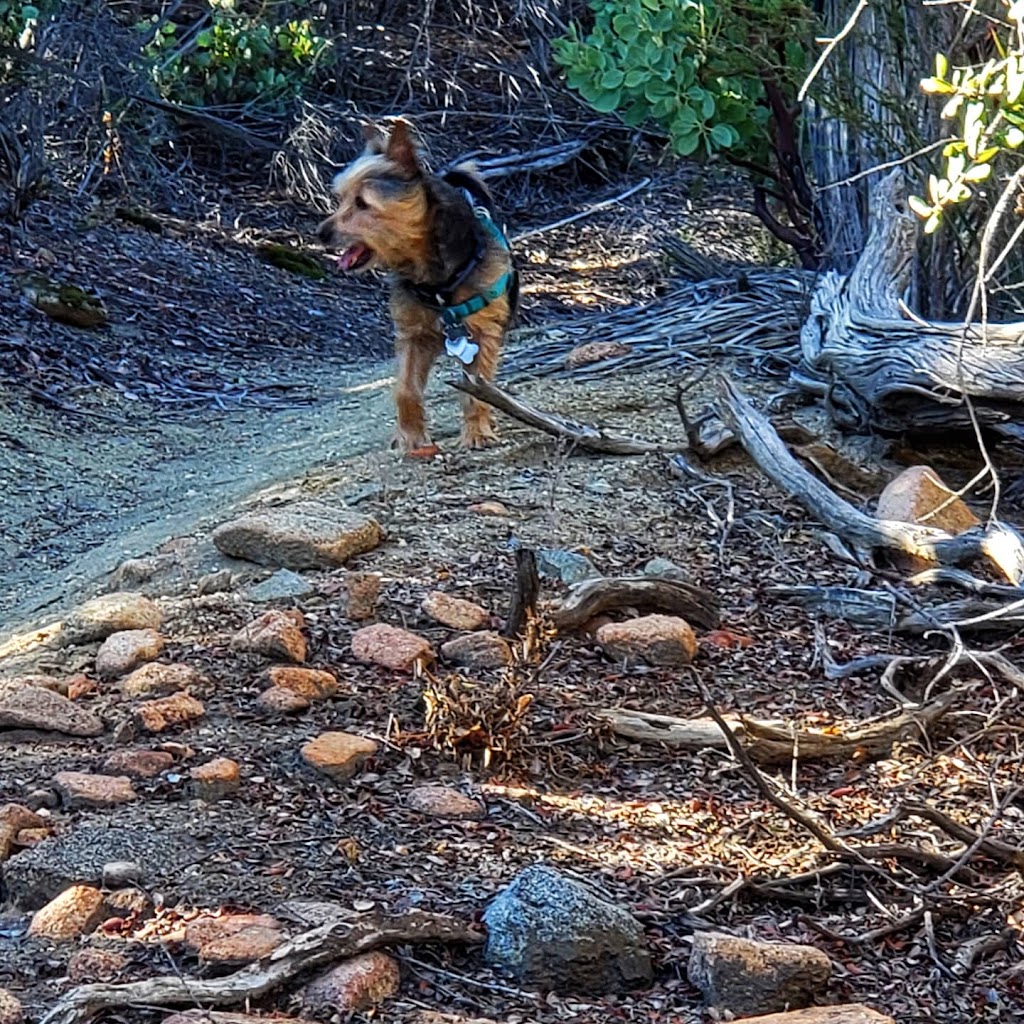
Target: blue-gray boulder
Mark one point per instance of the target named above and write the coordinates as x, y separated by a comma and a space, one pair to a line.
549, 932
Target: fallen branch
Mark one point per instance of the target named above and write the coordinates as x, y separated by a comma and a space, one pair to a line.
645, 593
591, 438
774, 742
862, 532
332, 941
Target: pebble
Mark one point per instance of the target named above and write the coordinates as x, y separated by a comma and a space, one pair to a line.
567, 566
32, 707
444, 802
391, 647
121, 652
158, 679
93, 964
455, 612
279, 700
275, 634
111, 613
138, 764
10, 1008
215, 780
75, 912
311, 683
281, 585
478, 650
338, 755
651, 639
362, 591
167, 712
353, 986
82, 789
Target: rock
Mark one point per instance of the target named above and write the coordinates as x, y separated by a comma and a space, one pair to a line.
443, 802
357, 984
158, 679
311, 683
848, 1013
32, 707
567, 566
653, 639
215, 780
595, 352
118, 874
167, 712
93, 964
478, 650
275, 634
362, 590
490, 508
662, 568
394, 648
31, 836
599, 486
81, 789
744, 977
8, 840
10, 1008
549, 932
234, 938
279, 700
338, 754
281, 585
912, 496
81, 686
455, 612
138, 764
75, 912
308, 535
60, 686
132, 902
225, 1017
20, 817
124, 651
111, 613
80, 854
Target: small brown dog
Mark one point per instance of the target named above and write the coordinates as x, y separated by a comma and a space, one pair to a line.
453, 285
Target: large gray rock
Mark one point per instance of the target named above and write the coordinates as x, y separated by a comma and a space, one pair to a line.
549, 932
33, 707
110, 613
309, 535
78, 857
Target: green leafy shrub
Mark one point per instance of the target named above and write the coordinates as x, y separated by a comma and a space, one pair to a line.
236, 59
985, 104
695, 68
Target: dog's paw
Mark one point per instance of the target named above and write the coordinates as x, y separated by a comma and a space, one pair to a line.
408, 441
478, 436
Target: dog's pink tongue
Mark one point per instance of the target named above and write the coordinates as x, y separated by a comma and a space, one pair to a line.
352, 256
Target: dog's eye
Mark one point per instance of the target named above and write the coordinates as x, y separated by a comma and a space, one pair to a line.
359, 203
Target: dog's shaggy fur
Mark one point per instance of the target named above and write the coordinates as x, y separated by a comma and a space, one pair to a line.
394, 214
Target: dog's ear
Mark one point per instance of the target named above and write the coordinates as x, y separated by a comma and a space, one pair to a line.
376, 140
402, 148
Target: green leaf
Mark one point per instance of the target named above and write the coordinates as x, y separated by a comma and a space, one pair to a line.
722, 136
612, 79
607, 102
686, 145
635, 77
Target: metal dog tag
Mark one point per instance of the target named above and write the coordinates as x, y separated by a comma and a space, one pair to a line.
458, 344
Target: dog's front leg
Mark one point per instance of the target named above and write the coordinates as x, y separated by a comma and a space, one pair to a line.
418, 344
478, 429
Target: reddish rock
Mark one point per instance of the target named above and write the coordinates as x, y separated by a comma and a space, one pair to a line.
745, 976
354, 985
490, 508
19, 817
278, 700
484, 649
595, 352
918, 495
111, 613
362, 590
10, 1008
215, 780
394, 648
311, 683
138, 764
455, 612
654, 639
167, 712
81, 789
51, 683
93, 964
75, 912
32, 707
275, 634
8, 840
31, 837
338, 754
442, 802
124, 651
81, 686
158, 680
234, 938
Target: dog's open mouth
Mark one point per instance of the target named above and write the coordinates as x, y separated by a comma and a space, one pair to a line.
354, 257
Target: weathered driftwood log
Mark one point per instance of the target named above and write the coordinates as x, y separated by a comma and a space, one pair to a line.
880, 368
776, 742
326, 944
862, 532
645, 593
848, 1013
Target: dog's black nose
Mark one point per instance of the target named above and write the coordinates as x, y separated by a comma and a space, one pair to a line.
325, 232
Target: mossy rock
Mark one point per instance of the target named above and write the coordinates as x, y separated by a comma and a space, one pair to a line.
65, 303
292, 260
